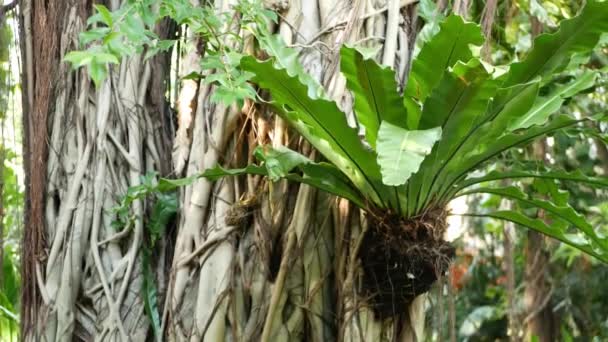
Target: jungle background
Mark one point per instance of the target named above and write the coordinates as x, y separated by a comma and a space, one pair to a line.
483, 297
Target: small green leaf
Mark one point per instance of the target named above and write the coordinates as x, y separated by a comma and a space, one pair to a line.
279, 161
105, 58
164, 209
106, 15
78, 58
166, 185
166, 44
193, 76
400, 152
93, 35
98, 72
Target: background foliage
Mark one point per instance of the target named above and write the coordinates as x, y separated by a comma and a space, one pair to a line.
11, 192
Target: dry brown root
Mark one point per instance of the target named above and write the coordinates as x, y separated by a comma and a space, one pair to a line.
402, 259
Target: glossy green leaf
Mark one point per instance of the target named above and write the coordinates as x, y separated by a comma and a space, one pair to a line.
576, 176
282, 163
105, 14
461, 98
543, 228
322, 176
511, 104
547, 105
326, 177
375, 92
279, 161
507, 104
563, 212
400, 152
287, 58
323, 124
551, 52
450, 45
491, 148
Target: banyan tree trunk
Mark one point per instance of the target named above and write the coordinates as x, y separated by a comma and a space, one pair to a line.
281, 262
85, 146
249, 260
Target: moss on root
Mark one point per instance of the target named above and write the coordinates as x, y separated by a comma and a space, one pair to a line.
402, 259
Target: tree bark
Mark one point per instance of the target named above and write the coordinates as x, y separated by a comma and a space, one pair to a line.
540, 320
84, 148
251, 260
291, 273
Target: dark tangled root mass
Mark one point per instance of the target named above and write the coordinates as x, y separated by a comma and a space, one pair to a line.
402, 258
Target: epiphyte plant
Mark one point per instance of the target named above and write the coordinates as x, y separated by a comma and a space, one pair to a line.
456, 115
426, 144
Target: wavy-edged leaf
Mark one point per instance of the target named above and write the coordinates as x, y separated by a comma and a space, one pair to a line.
448, 46
400, 152
563, 212
322, 176
375, 92
287, 58
520, 90
283, 163
576, 176
456, 104
551, 52
547, 105
487, 149
323, 124
543, 228
507, 104
516, 104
